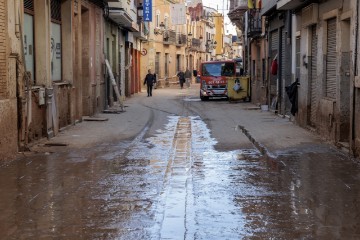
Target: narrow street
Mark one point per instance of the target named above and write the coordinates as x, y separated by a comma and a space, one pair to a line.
175, 167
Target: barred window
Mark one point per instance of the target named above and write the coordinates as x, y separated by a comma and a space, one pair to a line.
56, 10
29, 5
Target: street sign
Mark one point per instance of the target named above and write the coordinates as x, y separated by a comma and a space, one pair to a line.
147, 10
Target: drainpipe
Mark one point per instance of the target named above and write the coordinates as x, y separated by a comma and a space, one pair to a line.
355, 74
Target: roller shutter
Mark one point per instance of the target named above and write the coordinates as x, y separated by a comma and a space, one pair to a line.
274, 40
283, 57
274, 44
313, 78
330, 86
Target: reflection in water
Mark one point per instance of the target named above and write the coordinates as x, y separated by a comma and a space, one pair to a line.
126, 191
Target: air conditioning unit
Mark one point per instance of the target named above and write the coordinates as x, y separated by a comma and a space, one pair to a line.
310, 15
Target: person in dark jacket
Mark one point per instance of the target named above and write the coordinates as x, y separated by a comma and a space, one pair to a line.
149, 81
181, 76
293, 96
187, 77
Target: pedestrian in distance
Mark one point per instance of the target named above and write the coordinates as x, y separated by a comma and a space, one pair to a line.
181, 76
149, 81
188, 77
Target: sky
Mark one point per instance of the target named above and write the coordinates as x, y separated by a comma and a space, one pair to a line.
222, 6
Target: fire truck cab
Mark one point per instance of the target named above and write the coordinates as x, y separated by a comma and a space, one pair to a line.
214, 76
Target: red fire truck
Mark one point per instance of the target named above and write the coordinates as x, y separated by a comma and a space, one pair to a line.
214, 76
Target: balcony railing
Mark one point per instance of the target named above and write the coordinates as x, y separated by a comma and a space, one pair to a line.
195, 44
254, 23
180, 39
169, 37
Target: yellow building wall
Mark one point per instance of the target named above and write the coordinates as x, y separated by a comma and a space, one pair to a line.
155, 44
219, 34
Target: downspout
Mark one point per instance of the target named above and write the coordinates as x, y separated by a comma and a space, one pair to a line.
355, 74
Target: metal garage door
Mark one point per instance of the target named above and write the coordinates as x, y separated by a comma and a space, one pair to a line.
283, 58
274, 38
330, 86
313, 78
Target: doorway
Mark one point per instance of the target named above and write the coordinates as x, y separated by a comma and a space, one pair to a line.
345, 101
85, 61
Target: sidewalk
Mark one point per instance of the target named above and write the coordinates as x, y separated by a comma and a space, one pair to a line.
89, 133
268, 131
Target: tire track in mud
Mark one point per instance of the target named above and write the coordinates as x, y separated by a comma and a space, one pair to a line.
140, 136
176, 177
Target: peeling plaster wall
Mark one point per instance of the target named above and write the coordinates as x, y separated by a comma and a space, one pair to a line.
62, 95
258, 89
37, 127
332, 114
8, 128
9, 49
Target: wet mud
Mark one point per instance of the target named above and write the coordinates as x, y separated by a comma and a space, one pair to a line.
175, 185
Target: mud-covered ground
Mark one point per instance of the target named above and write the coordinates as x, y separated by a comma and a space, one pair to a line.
173, 167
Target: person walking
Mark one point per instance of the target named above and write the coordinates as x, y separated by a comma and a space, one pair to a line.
188, 77
181, 76
149, 81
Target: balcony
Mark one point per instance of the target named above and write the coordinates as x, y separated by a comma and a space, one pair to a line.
169, 37
180, 39
195, 44
254, 23
142, 33
268, 7
291, 4
237, 11
124, 14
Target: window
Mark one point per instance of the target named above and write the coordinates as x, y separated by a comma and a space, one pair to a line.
157, 64
166, 64
166, 22
28, 37
157, 20
218, 69
55, 40
29, 43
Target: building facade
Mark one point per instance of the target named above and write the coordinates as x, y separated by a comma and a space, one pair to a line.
57, 74
12, 96
54, 53
316, 44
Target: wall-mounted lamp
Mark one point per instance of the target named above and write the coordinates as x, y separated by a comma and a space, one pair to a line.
210, 45
140, 12
160, 30
214, 44
189, 38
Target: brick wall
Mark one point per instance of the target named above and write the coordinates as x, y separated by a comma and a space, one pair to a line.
4, 91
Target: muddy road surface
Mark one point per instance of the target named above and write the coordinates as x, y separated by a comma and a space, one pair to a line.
174, 167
